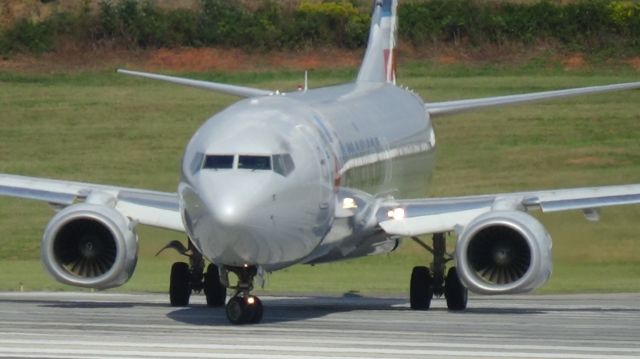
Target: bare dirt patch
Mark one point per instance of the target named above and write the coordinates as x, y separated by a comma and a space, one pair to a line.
212, 59
634, 63
181, 59
599, 156
591, 161
575, 62
198, 60
70, 57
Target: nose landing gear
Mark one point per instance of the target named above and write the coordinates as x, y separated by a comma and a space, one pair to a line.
244, 308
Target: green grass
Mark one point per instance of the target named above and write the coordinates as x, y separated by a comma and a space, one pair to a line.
108, 128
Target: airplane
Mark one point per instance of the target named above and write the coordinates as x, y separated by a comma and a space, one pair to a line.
313, 176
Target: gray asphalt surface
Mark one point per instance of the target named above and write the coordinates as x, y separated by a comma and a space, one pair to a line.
101, 325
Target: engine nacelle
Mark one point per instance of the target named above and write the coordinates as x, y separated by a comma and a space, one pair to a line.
90, 245
503, 252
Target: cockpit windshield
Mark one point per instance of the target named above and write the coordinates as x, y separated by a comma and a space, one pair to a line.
218, 162
281, 164
254, 162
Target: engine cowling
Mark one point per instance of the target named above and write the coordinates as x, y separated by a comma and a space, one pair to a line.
90, 245
504, 252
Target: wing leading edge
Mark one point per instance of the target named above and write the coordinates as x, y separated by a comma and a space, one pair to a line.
445, 108
157, 209
234, 90
436, 215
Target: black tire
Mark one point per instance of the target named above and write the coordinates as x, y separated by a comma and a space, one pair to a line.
179, 286
247, 310
236, 310
214, 291
421, 288
455, 293
256, 311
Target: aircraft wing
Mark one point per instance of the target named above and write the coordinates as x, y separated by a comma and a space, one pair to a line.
234, 90
437, 215
157, 209
437, 109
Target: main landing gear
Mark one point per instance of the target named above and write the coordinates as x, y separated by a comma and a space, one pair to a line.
426, 283
189, 278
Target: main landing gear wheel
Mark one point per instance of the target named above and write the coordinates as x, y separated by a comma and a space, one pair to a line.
179, 284
455, 293
427, 283
421, 289
244, 310
214, 291
185, 278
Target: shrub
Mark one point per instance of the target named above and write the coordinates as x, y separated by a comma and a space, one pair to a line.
30, 36
5, 48
108, 20
223, 23
182, 27
270, 24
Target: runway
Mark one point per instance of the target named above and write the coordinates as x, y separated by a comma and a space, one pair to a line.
105, 325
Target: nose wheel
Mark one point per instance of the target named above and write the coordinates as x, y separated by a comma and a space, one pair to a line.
244, 308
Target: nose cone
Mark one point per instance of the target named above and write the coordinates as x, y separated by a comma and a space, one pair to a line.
232, 200
227, 207
238, 214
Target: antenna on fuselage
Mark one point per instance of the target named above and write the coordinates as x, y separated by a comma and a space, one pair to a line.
305, 86
306, 80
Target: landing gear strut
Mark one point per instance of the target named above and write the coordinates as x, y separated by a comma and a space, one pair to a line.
425, 282
188, 278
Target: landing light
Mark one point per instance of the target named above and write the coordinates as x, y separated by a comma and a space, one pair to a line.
349, 203
397, 213
251, 300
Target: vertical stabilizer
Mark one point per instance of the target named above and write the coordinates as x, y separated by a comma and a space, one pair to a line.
379, 64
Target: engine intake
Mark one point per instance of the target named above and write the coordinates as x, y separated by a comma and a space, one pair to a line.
90, 245
504, 252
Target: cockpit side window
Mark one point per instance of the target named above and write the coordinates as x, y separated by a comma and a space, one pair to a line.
196, 162
254, 162
218, 162
283, 164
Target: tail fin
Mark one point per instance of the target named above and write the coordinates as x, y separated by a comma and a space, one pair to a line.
379, 63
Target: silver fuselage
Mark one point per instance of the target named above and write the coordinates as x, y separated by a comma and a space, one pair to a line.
358, 142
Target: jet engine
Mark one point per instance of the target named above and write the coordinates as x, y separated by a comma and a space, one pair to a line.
504, 252
90, 245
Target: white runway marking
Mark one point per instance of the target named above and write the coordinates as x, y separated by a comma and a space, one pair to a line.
346, 347
64, 325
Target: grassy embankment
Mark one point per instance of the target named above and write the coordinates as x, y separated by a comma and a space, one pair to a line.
108, 128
